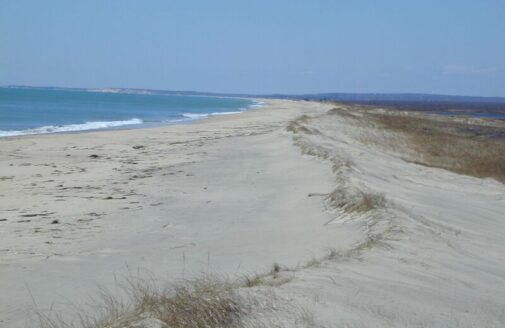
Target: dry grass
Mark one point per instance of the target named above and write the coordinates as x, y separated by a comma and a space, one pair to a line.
271, 278
355, 201
465, 146
296, 127
459, 147
206, 302
198, 303
255, 280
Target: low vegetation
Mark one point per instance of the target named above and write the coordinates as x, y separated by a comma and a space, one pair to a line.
467, 146
206, 302
355, 201
460, 147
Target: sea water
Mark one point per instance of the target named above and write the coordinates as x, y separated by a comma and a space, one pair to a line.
49, 110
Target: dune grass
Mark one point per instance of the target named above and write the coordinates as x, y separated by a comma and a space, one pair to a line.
355, 201
205, 302
457, 146
466, 146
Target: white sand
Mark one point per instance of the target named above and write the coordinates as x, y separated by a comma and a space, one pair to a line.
229, 195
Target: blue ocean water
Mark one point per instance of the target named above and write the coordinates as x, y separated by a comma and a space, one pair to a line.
46, 110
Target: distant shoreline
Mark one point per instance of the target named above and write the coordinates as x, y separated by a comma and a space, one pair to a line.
336, 96
39, 111
476, 106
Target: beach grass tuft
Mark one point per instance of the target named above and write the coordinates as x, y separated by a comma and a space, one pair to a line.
204, 302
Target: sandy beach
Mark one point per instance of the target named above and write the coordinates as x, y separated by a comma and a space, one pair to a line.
364, 238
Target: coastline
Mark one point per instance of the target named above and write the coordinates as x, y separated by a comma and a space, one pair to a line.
231, 195
77, 115
189, 119
142, 198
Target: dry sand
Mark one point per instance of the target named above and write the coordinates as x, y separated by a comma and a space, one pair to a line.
230, 195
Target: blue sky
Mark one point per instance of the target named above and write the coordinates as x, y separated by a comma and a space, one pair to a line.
445, 47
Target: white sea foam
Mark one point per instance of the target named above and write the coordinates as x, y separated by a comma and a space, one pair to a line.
257, 104
225, 113
111, 124
195, 116
71, 127
117, 90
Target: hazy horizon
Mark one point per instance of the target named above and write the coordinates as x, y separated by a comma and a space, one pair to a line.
287, 47
245, 93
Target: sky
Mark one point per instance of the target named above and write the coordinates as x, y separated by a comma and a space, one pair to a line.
263, 46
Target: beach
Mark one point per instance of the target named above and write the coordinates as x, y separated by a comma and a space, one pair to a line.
362, 237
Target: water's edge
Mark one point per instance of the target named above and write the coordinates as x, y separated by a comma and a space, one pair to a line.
52, 114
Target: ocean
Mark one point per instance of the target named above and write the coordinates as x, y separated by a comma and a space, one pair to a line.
26, 111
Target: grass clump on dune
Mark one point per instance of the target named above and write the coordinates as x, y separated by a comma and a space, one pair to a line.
355, 201
198, 303
205, 303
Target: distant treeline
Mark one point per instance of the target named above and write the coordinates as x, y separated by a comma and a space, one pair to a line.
419, 102
430, 106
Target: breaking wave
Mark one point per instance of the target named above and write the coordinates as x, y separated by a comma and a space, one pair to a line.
71, 127
195, 116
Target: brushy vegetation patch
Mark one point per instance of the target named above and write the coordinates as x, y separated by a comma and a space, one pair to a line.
467, 146
462, 147
205, 303
296, 127
355, 201
198, 303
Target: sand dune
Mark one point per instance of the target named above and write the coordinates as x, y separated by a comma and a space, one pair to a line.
364, 238
431, 256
